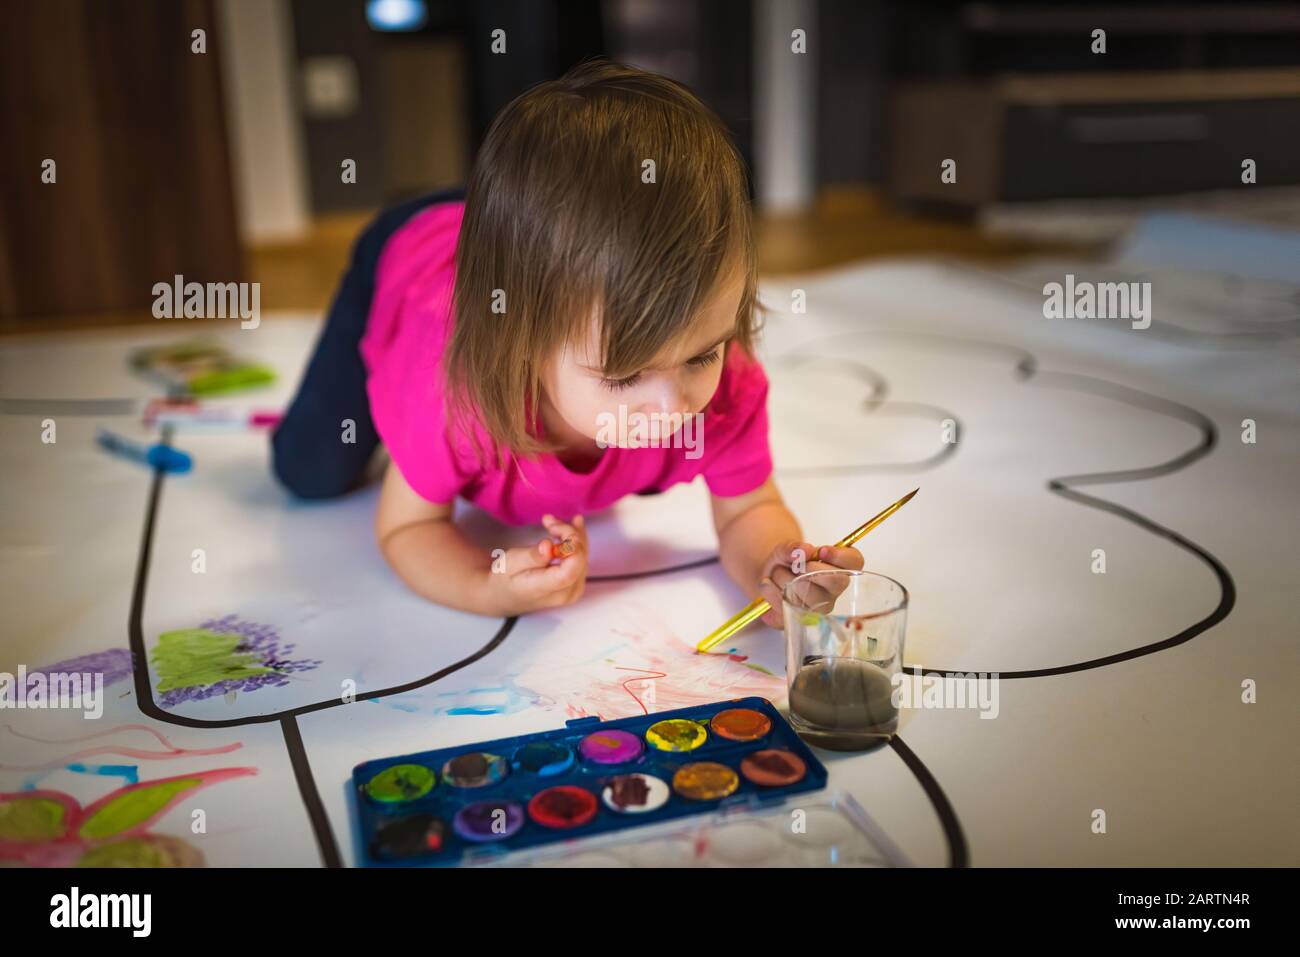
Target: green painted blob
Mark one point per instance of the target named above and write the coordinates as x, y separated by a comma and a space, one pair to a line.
133, 808
195, 656
132, 852
31, 819
401, 782
147, 850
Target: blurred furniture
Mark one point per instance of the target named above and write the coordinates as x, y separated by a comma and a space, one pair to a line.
133, 120
1024, 99
1033, 137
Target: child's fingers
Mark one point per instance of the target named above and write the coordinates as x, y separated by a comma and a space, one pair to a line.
787, 553
572, 559
525, 558
818, 594
780, 576
841, 556
772, 595
791, 555
565, 532
580, 523
550, 578
825, 588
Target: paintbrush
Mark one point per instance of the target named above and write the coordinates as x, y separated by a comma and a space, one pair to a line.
760, 607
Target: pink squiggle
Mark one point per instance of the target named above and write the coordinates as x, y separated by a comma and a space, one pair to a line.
97, 734
138, 753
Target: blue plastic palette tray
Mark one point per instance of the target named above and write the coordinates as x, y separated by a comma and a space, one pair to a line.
592, 777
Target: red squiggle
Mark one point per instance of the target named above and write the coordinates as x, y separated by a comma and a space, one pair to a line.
653, 674
98, 734
139, 753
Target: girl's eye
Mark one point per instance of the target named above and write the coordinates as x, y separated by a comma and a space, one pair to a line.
708, 358
618, 385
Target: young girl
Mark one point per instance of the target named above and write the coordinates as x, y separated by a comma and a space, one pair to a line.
600, 270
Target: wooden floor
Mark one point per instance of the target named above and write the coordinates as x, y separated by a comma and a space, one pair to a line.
851, 224
847, 225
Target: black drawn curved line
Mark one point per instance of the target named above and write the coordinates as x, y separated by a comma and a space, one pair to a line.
1065, 486
918, 410
140, 667
958, 853
651, 573
307, 791
1026, 368
877, 384
875, 401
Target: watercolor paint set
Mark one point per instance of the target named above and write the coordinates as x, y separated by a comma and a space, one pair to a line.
474, 803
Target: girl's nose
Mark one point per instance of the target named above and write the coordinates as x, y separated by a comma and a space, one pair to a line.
666, 400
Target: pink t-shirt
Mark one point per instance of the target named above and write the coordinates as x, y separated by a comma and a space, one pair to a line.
409, 327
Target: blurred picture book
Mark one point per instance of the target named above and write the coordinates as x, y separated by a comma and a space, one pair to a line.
200, 367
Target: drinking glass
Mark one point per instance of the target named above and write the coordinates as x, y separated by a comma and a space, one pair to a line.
844, 643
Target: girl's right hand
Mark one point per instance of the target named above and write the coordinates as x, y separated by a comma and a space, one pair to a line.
540, 576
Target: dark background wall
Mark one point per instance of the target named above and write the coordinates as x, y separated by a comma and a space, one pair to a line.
340, 29
133, 119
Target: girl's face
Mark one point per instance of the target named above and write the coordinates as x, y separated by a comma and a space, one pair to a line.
681, 379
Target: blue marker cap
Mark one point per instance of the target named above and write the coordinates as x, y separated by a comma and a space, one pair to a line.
168, 459
161, 457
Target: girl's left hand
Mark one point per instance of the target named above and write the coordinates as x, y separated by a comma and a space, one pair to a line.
792, 559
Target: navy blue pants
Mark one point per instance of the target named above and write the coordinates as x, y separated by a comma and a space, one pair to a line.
308, 453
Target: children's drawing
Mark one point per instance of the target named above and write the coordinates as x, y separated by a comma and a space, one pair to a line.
48, 828
221, 657
638, 670
143, 754
651, 669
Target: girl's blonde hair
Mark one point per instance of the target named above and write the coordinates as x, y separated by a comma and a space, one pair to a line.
565, 214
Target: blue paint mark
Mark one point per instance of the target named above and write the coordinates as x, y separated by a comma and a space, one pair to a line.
396, 703
128, 772
503, 699
506, 698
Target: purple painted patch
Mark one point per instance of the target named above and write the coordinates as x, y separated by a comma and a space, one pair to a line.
114, 664
260, 640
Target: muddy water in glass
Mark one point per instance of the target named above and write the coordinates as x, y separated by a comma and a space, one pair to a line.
843, 704
844, 643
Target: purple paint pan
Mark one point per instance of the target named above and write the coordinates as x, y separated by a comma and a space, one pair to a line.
485, 821
611, 747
